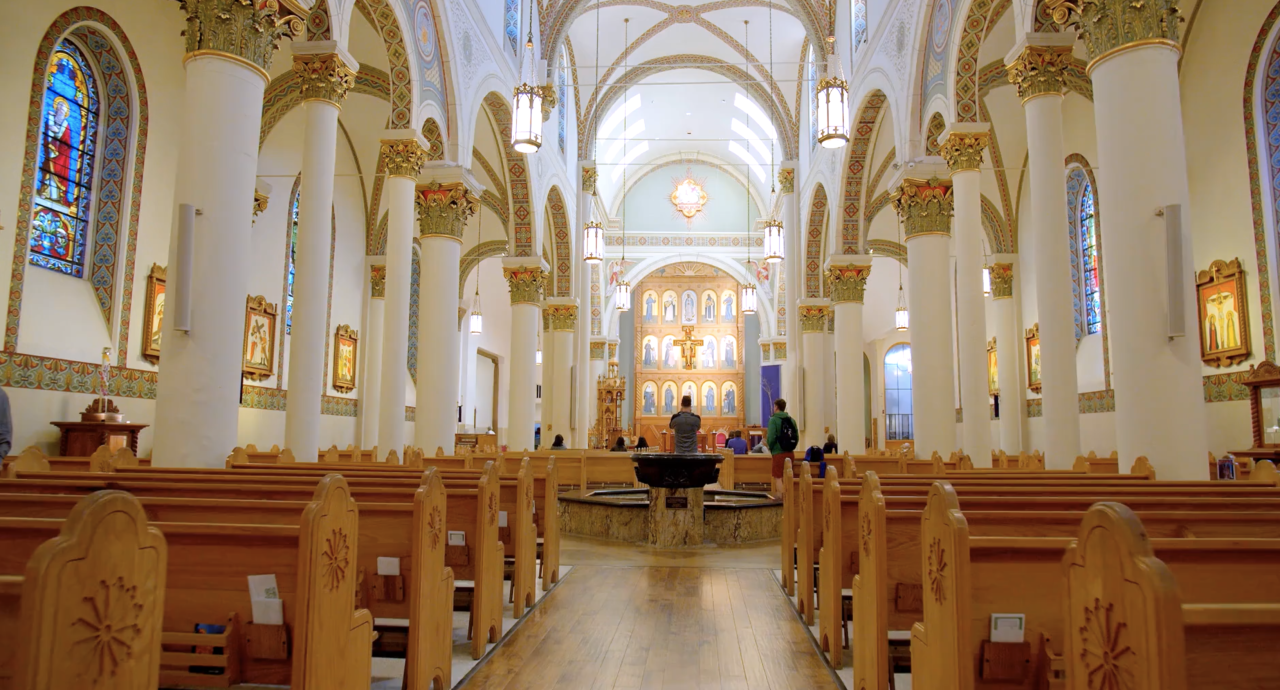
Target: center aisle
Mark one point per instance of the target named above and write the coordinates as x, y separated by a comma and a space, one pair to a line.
659, 627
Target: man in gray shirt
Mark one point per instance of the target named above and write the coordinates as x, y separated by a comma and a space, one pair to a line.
686, 425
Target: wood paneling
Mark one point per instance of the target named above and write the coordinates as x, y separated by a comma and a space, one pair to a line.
610, 627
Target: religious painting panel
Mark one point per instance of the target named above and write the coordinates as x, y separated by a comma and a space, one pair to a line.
154, 314
1223, 314
669, 356
690, 389
649, 306
728, 306
649, 352
708, 399
728, 399
688, 308
707, 353
258, 362
729, 360
670, 398
993, 380
708, 306
669, 307
649, 395
345, 341
1033, 358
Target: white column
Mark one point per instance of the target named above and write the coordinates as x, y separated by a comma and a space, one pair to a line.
1010, 347
813, 324
443, 210
525, 282
1041, 92
962, 146
847, 282
404, 157
326, 75
585, 380
597, 369
547, 378
198, 397
793, 261
1160, 409
371, 375
925, 206
561, 314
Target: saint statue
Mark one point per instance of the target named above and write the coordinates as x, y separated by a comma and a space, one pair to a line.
708, 356
688, 308
729, 354
669, 401
649, 303
728, 307
709, 401
648, 353
709, 310
668, 355
730, 402
669, 310
650, 405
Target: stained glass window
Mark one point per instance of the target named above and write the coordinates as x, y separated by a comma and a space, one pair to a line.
811, 72
293, 256
513, 26
562, 85
65, 159
859, 24
897, 393
1089, 259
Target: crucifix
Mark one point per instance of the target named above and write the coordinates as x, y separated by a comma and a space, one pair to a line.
688, 347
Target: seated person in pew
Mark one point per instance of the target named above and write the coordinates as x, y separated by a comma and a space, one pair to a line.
620, 446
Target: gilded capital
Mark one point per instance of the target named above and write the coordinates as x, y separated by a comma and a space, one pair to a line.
561, 317
597, 350
786, 180
325, 77
1107, 26
525, 283
245, 30
378, 281
403, 157
443, 209
925, 207
613, 351
813, 318
1040, 70
589, 176
779, 351
1001, 280
259, 202
549, 100
847, 283
963, 150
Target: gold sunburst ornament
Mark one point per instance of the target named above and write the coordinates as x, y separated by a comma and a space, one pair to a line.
689, 197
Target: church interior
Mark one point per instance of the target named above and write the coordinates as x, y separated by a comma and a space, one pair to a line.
346, 342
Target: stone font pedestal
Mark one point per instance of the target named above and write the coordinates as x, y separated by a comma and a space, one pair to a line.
675, 517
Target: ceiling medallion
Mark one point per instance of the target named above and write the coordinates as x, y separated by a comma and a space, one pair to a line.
689, 196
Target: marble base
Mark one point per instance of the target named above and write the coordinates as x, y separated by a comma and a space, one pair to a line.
675, 527
742, 525
623, 523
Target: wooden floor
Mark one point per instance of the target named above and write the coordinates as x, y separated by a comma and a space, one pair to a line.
659, 627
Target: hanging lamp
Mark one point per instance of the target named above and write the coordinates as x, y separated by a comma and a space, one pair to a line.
833, 102
622, 292
901, 318
593, 232
774, 245
986, 281
526, 103
477, 320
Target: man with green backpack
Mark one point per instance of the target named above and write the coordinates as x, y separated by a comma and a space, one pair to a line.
782, 438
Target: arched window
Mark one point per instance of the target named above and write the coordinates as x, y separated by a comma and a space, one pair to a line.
291, 269
1082, 221
859, 15
64, 177
811, 74
513, 25
897, 393
562, 87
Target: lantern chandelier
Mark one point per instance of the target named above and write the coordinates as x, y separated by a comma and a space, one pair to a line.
901, 317
593, 232
477, 320
773, 233
747, 304
833, 102
622, 292
526, 105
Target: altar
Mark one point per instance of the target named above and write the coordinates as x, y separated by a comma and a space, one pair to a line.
674, 508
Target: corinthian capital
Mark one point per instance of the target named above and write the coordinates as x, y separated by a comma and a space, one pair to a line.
443, 209
403, 157
963, 149
1109, 26
1001, 280
925, 207
325, 77
525, 283
786, 180
1039, 70
813, 317
245, 30
847, 282
561, 317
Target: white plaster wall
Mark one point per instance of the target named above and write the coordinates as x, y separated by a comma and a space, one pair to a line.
33, 410
495, 301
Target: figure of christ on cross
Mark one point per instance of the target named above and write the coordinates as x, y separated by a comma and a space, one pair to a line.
689, 347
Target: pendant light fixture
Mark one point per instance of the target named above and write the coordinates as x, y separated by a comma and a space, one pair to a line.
986, 281
622, 292
774, 249
747, 305
901, 318
526, 105
477, 320
593, 232
833, 102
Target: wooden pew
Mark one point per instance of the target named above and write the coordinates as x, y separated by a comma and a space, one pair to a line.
102, 460
206, 580
104, 566
1128, 607
751, 468
968, 578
